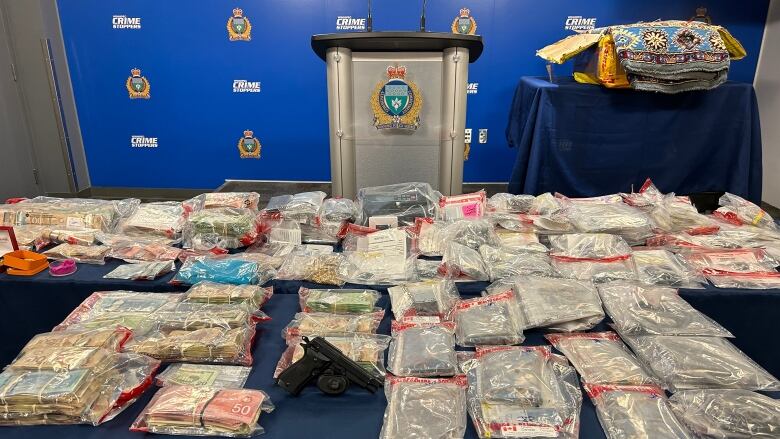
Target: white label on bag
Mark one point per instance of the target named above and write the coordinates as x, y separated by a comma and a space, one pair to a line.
462, 210
422, 319
383, 222
292, 236
151, 218
73, 222
528, 431
390, 242
318, 249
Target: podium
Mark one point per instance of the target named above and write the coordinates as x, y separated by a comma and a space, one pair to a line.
397, 107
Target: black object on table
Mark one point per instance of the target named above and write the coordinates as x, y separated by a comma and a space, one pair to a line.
333, 370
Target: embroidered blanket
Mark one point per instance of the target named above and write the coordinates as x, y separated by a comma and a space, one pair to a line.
672, 56
666, 56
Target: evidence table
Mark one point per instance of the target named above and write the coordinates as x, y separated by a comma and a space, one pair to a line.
35, 304
356, 414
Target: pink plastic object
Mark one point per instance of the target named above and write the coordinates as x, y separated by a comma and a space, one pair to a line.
63, 268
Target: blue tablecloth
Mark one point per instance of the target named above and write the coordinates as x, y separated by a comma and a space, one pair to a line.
32, 305
35, 304
585, 140
357, 414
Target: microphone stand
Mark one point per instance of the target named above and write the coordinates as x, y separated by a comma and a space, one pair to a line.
422, 17
369, 23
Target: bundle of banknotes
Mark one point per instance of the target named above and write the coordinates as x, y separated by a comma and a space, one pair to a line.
71, 385
208, 345
343, 301
217, 293
204, 411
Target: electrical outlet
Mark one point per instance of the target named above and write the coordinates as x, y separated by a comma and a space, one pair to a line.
468, 136
483, 135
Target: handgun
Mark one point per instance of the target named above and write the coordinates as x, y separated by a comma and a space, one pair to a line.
334, 371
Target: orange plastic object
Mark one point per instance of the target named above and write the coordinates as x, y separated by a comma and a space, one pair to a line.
23, 260
17, 272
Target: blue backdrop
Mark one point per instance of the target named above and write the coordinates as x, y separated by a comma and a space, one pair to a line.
183, 49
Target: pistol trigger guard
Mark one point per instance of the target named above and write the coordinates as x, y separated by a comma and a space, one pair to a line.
332, 383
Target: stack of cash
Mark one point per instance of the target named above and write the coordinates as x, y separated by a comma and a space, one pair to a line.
217, 293
208, 375
85, 254
63, 359
339, 301
71, 385
192, 316
227, 222
69, 214
46, 396
138, 322
208, 345
109, 309
204, 411
161, 219
330, 324
227, 227
141, 270
108, 338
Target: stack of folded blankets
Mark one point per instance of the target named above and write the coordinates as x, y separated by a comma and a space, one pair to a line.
663, 56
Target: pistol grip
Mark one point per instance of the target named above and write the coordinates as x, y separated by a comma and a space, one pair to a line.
300, 373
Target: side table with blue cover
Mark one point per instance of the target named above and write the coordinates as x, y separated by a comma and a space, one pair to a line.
585, 140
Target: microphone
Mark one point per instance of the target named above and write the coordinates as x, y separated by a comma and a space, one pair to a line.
422, 17
369, 24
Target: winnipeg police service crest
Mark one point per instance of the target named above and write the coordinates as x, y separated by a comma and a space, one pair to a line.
239, 28
137, 85
248, 146
464, 23
396, 103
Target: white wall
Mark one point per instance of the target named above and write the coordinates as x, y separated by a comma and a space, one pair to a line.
767, 85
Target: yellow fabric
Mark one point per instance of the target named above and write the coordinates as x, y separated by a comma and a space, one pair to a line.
610, 72
586, 78
736, 51
568, 47
601, 66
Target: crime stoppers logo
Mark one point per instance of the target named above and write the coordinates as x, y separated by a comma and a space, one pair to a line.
244, 86
238, 26
125, 22
248, 146
347, 22
137, 86
578, 23
472, 88
139, 141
